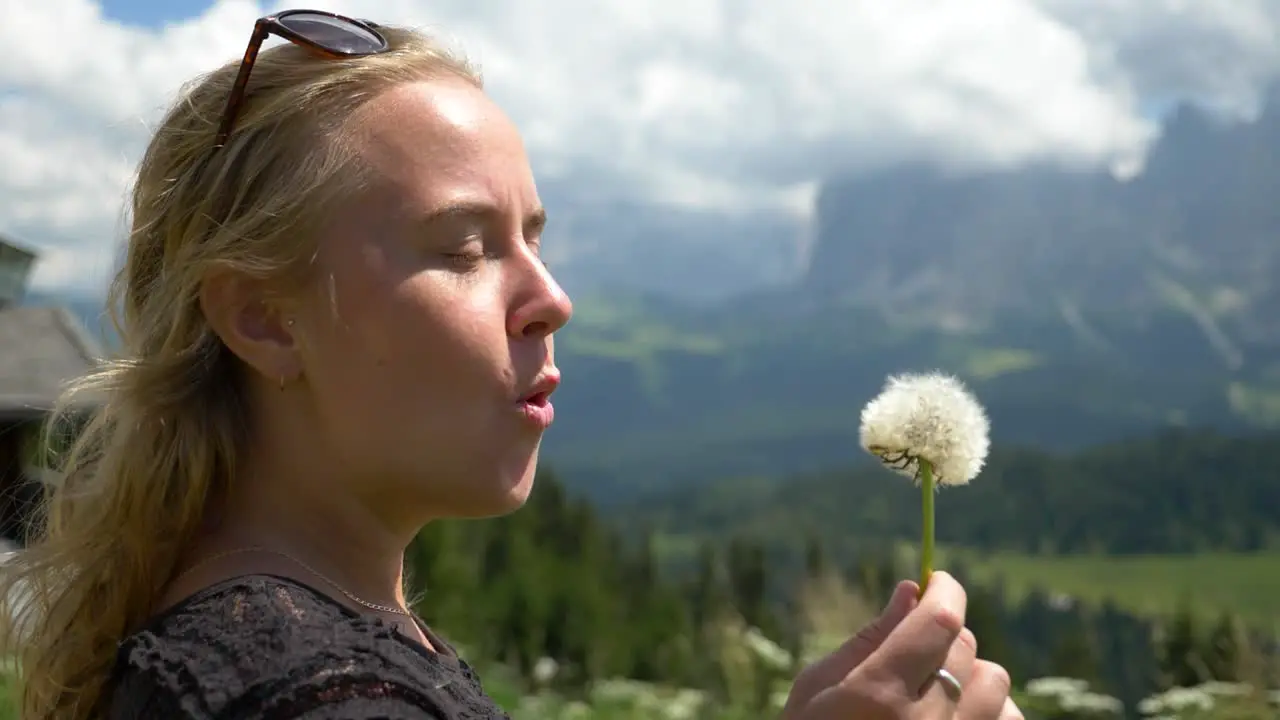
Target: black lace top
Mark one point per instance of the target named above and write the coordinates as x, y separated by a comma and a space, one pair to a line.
263, 647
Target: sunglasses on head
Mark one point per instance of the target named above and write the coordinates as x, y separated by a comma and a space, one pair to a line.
323, 32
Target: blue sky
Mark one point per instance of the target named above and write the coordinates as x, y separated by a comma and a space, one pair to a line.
152, 13
706, 113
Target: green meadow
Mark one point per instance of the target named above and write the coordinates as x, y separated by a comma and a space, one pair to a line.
1247, 584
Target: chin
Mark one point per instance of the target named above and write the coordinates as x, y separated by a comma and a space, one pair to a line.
519, 494
507, 492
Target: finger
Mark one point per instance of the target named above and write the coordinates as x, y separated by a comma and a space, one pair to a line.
963, 655
1011, 711
859, 647
833, 668
986, 695
961, 659
915, 649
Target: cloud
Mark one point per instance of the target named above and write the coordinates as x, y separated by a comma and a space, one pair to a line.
724, 109
1222, 53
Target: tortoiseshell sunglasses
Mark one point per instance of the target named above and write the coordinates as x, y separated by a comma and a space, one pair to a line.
325, 33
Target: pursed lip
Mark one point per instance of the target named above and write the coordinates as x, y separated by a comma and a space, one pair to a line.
540, 391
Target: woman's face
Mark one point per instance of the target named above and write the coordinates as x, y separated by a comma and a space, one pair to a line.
427, 348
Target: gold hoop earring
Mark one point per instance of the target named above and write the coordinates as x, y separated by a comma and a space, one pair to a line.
281, 383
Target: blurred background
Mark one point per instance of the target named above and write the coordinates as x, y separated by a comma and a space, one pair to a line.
761, 210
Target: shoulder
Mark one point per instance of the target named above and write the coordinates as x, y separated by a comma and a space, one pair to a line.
261, 647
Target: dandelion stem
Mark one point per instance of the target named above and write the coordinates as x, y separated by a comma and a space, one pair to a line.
926, 544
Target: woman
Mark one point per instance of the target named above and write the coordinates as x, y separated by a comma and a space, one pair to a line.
338, 329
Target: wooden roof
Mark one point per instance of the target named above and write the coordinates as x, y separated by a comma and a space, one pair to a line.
41, 348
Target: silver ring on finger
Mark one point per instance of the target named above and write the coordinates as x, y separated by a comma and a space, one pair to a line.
951, 682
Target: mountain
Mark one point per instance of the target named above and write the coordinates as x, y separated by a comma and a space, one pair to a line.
655, 399
1195, 229
610, 247
1198, 231
1083, 308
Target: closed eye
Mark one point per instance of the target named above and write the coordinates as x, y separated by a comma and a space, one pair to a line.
465, 261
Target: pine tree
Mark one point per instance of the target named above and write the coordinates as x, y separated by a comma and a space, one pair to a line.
707, 594
984, 618
815, 558
748, 581
1074, 653
1180, 662
1225, 645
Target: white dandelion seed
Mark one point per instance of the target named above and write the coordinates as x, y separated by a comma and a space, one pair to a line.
931, 417
929, 428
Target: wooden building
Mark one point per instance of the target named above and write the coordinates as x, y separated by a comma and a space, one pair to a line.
41, 348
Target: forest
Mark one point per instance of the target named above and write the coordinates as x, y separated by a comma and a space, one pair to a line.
570, 611
565, 604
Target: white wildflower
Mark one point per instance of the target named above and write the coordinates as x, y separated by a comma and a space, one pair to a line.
685, 704
928, 416
620, 689
1091, 703
1227, 689
1073, 695
769, 652
1061, 602
1056, 686
1177, 700
544, 670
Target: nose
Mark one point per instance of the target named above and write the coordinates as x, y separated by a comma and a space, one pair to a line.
541, 307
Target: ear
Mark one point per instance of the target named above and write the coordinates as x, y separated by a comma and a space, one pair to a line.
251, 323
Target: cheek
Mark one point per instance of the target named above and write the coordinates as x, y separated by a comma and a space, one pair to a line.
421, 348
355, 343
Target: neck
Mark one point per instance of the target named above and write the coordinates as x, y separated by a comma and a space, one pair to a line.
312, 521
350, 552
290, 497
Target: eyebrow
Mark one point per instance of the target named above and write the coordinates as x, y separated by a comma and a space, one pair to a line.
468, 211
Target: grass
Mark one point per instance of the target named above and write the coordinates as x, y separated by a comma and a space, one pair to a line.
1151, 585
1246, 584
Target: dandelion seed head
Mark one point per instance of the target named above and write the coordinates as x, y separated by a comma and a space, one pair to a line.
930, 416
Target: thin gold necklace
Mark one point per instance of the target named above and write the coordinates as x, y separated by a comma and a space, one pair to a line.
268, 551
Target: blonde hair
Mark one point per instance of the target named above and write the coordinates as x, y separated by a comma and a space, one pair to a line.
169, 422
